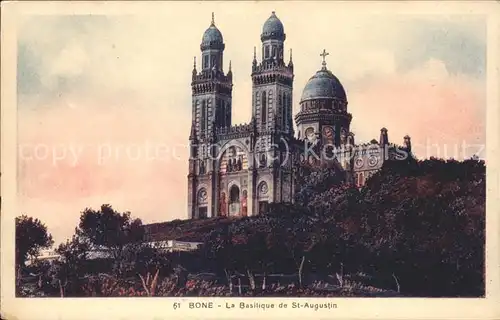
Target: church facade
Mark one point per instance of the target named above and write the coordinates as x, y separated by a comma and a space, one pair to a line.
237, 170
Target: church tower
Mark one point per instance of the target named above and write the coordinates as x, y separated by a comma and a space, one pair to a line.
272, 81
211, 110
211, 88
272, 88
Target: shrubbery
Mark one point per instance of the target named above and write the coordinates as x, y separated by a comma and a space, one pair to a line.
417, 227
419, 224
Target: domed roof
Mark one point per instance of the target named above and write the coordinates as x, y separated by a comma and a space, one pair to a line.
212, 36
273, 28
323, 85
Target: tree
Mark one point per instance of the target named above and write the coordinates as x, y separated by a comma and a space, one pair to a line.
219, 249
312, 181
31, 237
114, 234
424, 221
67, 273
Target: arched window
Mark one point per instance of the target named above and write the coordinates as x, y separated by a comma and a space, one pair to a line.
227, 114
266, 50
202, 196
223, 113
239, 163
264, 108
281, 108
218, 109
203, 115
263, 160
262, 189
205, 62
219, 112
285, 110
202, 167
206, 115
310, 159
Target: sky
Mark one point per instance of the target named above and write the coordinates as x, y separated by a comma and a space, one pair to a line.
104, 102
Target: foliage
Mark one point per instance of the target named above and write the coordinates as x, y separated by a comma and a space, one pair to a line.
109, 228
31, 237
312, 181
112, 233
417, 227
417, 224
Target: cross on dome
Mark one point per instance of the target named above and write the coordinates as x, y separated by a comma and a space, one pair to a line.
213, 19
324, 54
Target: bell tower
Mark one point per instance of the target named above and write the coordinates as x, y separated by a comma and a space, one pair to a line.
211, 110
211, 88
272, 81
272, 88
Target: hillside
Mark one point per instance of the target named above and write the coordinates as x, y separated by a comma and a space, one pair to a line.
185, 230
417, 228
421, 222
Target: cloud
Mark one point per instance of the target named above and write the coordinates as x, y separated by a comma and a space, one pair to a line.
92, 154
28, 79
440, 112
460, 43
70, 62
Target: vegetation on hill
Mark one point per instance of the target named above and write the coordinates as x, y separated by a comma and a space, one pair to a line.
31, 237
417, 228
419, 224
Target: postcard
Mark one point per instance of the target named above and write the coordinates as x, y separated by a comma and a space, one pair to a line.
250, 160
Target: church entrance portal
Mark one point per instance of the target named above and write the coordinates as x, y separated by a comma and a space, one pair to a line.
234, 201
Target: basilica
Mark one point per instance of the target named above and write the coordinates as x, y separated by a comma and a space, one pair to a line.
237, 170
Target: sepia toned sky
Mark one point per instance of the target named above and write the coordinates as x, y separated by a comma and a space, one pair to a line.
104, 102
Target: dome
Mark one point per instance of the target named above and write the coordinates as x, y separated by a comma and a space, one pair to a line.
323, 85
273, 28
212, 36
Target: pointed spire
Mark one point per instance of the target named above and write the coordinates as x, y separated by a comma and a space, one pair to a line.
192, 135
290, 63
230, 72
213, 19
194, 69
254, 62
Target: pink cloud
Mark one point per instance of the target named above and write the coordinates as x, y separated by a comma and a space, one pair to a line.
118, 158
438, 111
